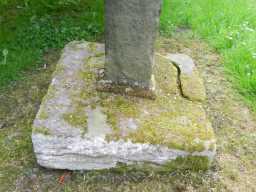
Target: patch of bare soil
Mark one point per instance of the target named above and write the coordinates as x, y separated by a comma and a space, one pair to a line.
233, 170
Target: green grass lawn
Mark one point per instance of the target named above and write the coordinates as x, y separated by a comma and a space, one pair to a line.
31, 28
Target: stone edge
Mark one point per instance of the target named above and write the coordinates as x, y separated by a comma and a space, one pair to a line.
96, 153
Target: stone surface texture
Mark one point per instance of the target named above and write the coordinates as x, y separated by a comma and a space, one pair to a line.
131, 28
191, 84
79, 128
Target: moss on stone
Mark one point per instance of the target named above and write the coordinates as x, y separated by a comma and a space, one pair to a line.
50, 94
188, 163
92, 47
41, 130
173, 122
76, 119
166, 76
100, 54
165, 129
124, 105
84, 97
116, 107
183, 128
169, 120
192, 163
43, 114
87, 76
59, 69
192, 86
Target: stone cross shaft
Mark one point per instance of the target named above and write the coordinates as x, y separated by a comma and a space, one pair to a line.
131, 27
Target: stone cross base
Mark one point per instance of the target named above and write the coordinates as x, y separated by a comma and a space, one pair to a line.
136, 91
79, 128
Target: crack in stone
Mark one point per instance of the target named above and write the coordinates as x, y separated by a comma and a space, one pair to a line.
179, 83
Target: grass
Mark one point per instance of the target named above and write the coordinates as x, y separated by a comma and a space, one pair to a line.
227, 25
31, 28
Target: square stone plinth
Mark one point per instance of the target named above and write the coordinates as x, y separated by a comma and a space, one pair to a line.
80, 128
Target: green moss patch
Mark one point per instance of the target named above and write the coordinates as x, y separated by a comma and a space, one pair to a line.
165, 129
76, 119
177, 124
181, 164
43, 114
192, 86
85, 96
41, 130
192, 163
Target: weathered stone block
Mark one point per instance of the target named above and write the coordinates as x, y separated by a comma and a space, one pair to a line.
131, 27
78, 128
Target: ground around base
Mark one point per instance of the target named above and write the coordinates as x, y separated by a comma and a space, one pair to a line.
234, 124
